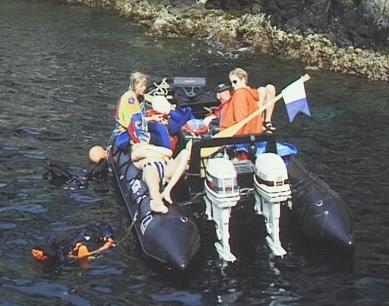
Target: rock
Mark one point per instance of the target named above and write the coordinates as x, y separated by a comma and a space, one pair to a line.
162, 21
344, 21
379, 9
322, 34
186, 3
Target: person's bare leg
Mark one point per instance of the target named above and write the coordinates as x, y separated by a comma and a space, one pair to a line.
262, 101
173, 173
270, 94
151, 178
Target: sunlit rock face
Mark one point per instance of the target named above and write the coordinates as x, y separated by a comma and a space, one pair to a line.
91, 3
358, 23
337, 35
379, 7
380, 10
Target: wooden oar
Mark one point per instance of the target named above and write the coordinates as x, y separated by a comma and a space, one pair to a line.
232, 130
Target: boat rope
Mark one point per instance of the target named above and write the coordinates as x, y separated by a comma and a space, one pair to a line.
192, 200
129, 230
161, 89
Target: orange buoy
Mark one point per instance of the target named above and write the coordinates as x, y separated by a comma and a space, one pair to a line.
96, 154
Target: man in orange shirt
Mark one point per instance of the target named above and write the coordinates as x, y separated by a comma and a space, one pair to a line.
244, 101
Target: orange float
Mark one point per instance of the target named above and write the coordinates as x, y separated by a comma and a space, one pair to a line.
96, 154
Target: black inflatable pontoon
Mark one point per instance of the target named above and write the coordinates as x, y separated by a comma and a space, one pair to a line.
173, 238
317, 209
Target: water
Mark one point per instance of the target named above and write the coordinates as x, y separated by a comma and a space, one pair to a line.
61, 72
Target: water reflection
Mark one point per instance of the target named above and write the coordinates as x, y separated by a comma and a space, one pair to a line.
31, 208
61, 72
50, 290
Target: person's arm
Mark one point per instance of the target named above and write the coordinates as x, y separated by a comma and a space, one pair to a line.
143, 150
156, 117
161, 150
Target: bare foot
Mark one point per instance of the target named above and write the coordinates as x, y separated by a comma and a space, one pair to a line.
166, 196
158, 207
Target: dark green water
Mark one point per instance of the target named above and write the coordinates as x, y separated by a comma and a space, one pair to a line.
61, 72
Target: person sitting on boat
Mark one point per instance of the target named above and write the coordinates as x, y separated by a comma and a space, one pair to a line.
159, 168
223, 95
244, 101
132, 101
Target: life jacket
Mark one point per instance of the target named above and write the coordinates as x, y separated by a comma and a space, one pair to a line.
161, 134
126, 107
137, 128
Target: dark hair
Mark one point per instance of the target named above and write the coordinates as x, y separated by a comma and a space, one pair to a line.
222, 87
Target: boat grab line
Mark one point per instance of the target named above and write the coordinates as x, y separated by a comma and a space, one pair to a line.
129, 230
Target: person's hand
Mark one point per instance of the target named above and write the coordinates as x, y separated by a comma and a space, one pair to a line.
164, 120
158, 117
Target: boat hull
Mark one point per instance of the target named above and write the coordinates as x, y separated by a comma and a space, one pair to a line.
173, 238
318, 211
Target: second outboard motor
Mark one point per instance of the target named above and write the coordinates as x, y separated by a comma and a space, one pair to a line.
221, 194
272, 190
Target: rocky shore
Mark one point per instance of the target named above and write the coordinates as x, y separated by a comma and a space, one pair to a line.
338, 35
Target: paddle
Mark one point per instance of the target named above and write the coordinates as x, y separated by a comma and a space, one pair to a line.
232, 130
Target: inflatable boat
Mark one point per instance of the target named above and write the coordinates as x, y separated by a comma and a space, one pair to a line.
253, 173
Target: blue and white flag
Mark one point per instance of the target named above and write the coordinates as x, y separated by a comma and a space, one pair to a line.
295, 99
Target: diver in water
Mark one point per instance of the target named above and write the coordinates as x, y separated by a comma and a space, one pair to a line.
88, 242
57, 173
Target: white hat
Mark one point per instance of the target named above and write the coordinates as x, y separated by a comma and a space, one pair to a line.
161, 105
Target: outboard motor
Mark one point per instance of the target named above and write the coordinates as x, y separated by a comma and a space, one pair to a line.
221, 193
272, 190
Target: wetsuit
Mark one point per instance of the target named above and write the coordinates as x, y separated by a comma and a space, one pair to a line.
89, 238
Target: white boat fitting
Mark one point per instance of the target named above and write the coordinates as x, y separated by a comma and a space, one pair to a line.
272, 190
221, 194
